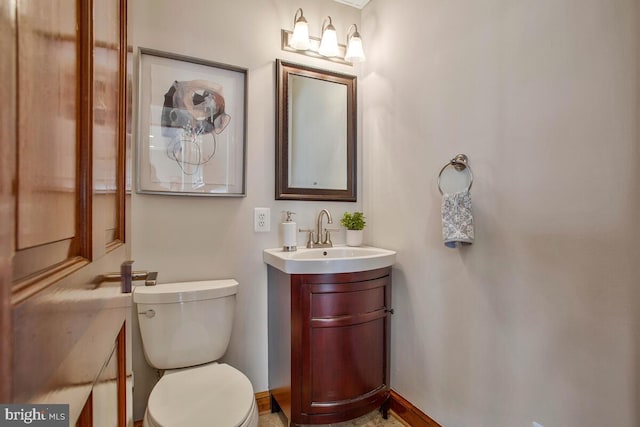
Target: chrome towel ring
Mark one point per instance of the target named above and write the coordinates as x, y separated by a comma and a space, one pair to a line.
460, 163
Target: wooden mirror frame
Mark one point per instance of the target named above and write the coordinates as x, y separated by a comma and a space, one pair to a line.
283, 189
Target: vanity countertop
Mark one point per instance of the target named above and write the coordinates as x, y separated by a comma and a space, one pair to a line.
337, 259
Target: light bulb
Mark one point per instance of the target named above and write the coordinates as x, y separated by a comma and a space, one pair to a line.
355, 52
300, 38
329, 41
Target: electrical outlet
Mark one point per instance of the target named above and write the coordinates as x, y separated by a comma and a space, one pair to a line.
535, 424
262, 220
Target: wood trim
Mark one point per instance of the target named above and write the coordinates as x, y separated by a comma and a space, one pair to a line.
347, 320
121, 165
8, 162
6, 341
121, 349
86, 416
113, 245
404, 410
335, 282
28, 287
84, 165
263, 400
283, 188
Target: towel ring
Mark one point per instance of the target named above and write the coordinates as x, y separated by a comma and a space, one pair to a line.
460, 163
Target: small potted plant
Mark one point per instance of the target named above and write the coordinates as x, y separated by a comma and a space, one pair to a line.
354, 223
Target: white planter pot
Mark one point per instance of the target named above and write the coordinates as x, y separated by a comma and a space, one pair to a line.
354, 237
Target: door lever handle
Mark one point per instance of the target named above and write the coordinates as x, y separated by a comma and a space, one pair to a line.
151, 278
127, 276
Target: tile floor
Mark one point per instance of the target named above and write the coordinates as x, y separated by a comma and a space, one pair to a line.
373, 419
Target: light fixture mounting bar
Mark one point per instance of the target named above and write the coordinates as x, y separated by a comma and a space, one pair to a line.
313, 50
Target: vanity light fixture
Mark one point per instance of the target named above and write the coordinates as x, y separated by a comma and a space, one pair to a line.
300, 38
328, 48
329, 41
355, 53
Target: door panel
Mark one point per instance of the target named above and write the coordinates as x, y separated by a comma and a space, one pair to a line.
51, 174
107, 130
47, 121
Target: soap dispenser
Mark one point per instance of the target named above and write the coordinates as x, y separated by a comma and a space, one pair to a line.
289, 234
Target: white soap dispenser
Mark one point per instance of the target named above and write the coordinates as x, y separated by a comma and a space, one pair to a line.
289, 234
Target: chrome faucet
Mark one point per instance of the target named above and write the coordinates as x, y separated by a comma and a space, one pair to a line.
323, 236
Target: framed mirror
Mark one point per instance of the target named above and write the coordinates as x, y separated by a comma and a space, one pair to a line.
315, 134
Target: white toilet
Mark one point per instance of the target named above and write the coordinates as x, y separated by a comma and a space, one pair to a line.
185, 328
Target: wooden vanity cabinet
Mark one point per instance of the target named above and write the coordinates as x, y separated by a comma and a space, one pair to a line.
329, 344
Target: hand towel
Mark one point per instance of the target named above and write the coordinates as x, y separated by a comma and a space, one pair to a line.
457, 219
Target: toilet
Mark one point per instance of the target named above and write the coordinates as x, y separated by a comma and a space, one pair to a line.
185, 329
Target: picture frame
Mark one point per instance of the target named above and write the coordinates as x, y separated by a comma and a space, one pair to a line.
192, 121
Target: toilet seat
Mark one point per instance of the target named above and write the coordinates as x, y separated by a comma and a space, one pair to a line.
213, 394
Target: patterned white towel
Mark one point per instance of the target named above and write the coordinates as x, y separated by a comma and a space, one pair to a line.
457, 219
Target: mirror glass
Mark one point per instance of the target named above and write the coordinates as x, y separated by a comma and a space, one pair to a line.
315, 158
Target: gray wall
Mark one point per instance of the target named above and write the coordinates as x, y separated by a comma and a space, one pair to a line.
196, 238
538, 320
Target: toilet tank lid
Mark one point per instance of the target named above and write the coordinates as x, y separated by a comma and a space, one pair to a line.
184, 291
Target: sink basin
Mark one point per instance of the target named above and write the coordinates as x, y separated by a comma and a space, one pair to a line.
336, 252
339, 259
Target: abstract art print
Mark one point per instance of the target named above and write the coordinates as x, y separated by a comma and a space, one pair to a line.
192, 126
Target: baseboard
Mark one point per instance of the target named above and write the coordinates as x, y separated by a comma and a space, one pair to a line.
263, 399
405, 411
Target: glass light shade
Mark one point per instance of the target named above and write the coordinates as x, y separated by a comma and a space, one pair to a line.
300, 38
329, 42
355, 52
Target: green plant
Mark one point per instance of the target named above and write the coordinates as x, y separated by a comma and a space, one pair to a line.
353, 221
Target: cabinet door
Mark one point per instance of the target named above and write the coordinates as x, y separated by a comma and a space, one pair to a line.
345, 367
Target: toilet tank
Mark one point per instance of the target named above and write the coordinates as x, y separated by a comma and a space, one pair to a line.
185, 324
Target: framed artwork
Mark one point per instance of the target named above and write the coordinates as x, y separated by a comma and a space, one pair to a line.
191, 126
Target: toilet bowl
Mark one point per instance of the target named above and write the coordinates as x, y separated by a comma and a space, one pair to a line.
213, 394
185, 328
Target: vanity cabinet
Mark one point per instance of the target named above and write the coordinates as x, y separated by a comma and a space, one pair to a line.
329, 344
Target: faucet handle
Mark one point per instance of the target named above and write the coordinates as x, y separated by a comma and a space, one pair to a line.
309, 237
327, 235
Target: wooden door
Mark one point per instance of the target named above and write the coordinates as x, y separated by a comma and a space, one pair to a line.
63, 195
